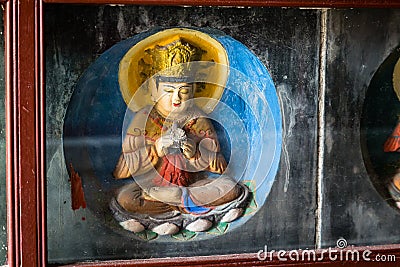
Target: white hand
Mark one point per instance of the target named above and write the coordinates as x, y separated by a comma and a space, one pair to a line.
163, 143
189, 148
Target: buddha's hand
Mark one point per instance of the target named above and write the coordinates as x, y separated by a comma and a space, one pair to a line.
188, 147
163, 143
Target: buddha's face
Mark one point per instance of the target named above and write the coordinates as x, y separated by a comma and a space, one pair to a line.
172, 98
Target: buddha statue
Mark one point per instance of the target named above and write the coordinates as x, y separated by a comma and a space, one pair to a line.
172, 152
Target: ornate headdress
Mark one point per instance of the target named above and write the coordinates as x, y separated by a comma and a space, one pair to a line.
176, 53
169, 60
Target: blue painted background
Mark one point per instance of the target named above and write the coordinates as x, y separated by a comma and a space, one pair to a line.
95, 116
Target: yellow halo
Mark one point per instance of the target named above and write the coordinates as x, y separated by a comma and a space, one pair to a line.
131, 78
396, 79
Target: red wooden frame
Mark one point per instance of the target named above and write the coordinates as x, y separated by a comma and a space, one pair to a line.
282, 3
25, 126
25, 134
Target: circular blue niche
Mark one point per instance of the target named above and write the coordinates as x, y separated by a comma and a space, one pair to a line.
95, 124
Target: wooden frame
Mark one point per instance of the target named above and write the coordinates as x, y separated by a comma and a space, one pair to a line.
25, 135
25, 125
281, 3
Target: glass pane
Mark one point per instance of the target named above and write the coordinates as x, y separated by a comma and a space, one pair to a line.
3, 214
90, 118
98, 58
363, 49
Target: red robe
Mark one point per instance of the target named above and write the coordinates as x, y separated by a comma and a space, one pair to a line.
392, 144
148, 126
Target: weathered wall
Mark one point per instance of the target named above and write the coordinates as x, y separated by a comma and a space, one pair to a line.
359, 41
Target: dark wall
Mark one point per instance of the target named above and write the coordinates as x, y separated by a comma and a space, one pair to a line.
361, 46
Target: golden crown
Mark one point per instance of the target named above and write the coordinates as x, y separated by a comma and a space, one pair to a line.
173, 51
169, 59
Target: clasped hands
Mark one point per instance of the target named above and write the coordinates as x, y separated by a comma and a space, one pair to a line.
187, 145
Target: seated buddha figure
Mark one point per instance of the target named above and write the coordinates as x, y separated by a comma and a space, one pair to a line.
392, 144
171, 149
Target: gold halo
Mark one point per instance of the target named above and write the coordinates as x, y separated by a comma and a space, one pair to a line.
130, 79
396, 79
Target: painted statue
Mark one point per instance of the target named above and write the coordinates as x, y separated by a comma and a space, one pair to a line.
392, 143
171, 148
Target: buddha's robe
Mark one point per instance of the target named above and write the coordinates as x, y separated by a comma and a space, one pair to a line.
139, 156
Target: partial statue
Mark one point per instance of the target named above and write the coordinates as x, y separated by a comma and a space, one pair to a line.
170, 148
392, 143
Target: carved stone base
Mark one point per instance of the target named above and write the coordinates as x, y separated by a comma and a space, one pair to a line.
172, 222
